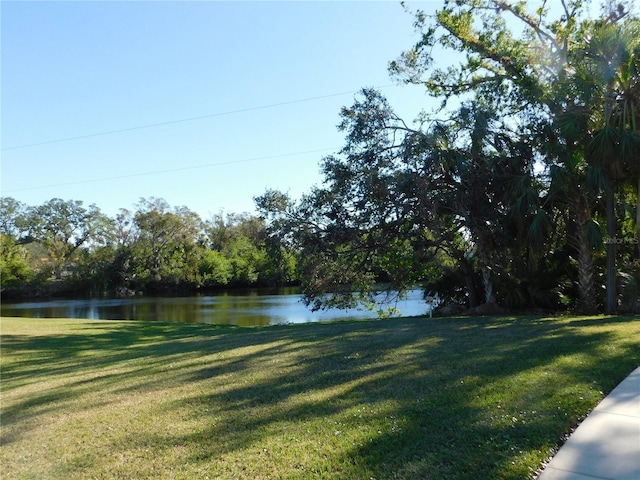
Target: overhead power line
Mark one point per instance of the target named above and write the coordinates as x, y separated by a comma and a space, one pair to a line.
170, 170
190, 119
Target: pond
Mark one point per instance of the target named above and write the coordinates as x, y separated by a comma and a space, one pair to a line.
244, 308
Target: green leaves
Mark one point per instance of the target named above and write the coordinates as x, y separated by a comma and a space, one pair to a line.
14, 265
539, 229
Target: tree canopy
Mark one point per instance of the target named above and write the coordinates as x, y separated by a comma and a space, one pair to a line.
500, 194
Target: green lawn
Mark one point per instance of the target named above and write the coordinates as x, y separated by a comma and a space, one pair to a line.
407, 398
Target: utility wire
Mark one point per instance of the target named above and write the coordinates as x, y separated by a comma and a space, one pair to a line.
171, 122
170, 170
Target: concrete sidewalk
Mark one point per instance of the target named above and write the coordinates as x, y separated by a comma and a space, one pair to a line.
606, 445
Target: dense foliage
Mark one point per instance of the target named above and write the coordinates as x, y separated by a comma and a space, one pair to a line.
506, 194
63, 247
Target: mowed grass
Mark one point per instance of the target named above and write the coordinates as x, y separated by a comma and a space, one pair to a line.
407, 398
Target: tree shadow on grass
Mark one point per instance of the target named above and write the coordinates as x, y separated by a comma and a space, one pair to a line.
435, 373
410, 398
84, 360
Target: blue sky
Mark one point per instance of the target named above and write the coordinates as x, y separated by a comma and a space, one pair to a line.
267, 78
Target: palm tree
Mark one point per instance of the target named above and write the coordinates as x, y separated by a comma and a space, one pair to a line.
613, 54
570, 191
602, 112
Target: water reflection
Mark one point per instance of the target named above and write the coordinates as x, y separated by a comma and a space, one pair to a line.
251, 308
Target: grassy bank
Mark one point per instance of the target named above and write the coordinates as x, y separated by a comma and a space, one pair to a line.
400, 398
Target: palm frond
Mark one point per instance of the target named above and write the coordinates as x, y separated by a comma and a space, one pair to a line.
630, 149
593, 236
597, 178
539, 229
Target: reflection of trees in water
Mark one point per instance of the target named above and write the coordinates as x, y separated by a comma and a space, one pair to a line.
249, 308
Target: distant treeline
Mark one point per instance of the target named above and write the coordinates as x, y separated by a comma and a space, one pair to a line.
65, 247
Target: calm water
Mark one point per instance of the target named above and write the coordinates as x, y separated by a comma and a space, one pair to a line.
250, 308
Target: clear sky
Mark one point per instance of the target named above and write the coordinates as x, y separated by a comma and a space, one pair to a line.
259, 86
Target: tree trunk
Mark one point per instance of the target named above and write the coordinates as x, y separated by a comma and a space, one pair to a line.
587, 303
638, 217
470, 282
586, 279
487, 282
611, 250
489, 295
